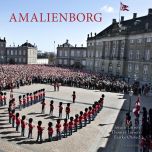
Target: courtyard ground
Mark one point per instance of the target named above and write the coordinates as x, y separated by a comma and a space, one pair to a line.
95, 137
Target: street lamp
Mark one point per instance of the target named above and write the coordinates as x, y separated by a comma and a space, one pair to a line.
130, 94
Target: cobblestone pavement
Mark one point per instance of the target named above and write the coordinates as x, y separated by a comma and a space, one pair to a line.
92, 138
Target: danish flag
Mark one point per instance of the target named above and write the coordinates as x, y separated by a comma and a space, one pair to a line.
124, 7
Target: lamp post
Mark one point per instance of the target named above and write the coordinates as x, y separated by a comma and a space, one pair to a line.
130, 95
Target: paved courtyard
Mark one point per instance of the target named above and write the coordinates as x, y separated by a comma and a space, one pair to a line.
92, 138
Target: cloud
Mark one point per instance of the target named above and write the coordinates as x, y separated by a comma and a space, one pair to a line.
107, 9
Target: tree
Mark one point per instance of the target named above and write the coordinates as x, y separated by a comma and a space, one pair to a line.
51, 58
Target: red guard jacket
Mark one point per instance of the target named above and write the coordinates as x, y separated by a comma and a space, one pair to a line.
67, 110
18, 121
50, 130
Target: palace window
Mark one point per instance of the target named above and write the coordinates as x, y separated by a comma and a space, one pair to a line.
136, 68
147, 55
20, 52
15, 53
145, 69
66, 53
72, 53
72, 62
60, 61
137, 55
149, 39
131, 55
83, 62
132, 41
129, 67
65, 62
60, 53
84, 53
11, 52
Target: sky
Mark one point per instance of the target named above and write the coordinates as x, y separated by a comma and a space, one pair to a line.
44, 34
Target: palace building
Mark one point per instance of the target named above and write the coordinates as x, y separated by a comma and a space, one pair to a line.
71, 56
122, 49
24, 54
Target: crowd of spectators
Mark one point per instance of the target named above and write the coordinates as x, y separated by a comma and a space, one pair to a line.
19, 75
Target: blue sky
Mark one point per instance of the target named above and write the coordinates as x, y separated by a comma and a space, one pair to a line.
44, 34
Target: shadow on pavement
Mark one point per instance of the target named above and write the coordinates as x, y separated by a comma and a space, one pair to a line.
42, 115
7, 132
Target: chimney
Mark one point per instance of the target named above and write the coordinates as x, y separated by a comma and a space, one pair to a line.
114, 21
134, 15
122, 18
75, 45
88, 35
95, 34
150, 11
81, 45
91, 34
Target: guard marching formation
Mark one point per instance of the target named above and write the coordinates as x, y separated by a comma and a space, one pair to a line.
63, 130
31, 98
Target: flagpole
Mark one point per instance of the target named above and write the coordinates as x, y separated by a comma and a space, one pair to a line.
119, 12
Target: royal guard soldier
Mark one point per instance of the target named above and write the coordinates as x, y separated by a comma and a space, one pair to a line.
58, 86
31, 126
11, 95
36, 96
73, 96
90, 114
58, 129
76, 122
50, 131
85, 116
54, 86
128, 122
70, 125
31, 99
65, 127
18, 121
23, 125
13, 103
51, 107
102, 99
81, 119
20, 102
93, 111
97, 107
13, 118
39, 131
10, 113
43, 93
39, 95
4, 98
34, 93
67, 110
43, 106
1, 99
60, 109
24, 101
27, 99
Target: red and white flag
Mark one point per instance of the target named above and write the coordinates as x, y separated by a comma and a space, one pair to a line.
124, 7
